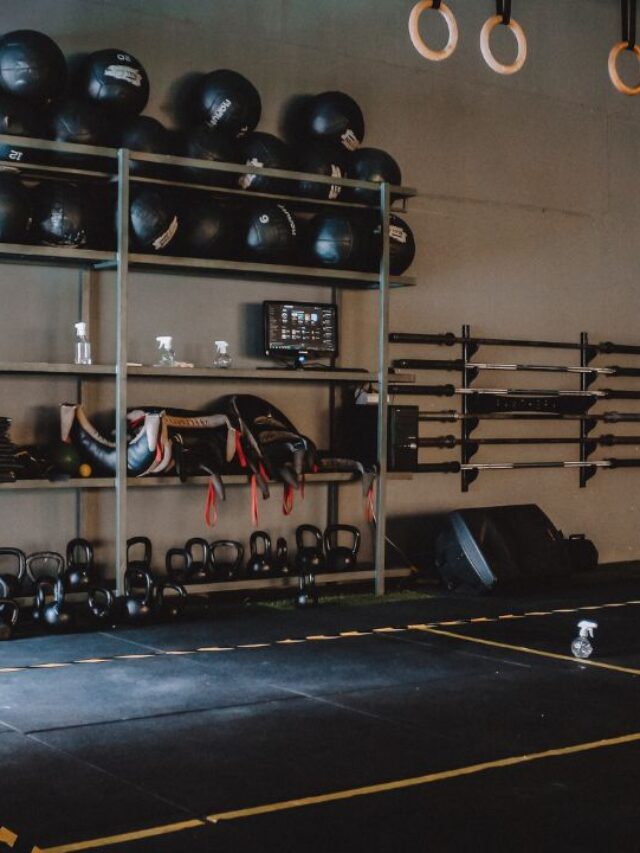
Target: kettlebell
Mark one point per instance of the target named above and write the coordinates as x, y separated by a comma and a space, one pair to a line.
339, 557
9, 612
143, 564
80, 571
54, 615
260, 562
132, 607
310, 558
229, 568
170, 606
178, 563
45, 565
13, 581
200, 571
281, 561
101, 610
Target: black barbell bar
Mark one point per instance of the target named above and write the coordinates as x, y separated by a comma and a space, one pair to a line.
449, 339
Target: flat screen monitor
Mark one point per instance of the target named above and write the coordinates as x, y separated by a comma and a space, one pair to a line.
300, 330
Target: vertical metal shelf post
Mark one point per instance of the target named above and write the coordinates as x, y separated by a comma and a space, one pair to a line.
122, 276
383, 389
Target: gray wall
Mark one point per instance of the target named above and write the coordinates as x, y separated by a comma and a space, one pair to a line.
527, 224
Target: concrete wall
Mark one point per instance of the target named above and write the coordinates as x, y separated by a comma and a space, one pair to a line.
527, 225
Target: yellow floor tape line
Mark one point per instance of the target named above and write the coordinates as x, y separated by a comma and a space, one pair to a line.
415, 781
7, 837
525, 649
152, 832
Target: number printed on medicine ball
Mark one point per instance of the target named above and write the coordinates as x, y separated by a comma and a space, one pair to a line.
116, 80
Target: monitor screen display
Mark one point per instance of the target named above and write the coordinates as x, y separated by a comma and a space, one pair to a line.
291, 328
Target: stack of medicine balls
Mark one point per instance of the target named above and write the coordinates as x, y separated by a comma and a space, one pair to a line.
101, 105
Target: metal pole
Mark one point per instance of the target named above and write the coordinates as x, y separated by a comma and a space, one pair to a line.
122, 274
383, 360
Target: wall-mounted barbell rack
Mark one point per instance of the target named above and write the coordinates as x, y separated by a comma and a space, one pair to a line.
479, 404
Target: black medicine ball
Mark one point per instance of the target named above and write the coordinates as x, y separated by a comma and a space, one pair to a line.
146, 134
372, 164
266, 151
61, 215
19, 118
402, 246
203, 143
227, 101
115, 79
271, 233
31, 65
338, 240
321, 158
153, 219
332, 117
15, 210
80, 122
206, 227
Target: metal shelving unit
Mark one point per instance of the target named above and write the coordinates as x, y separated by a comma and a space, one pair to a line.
43, 159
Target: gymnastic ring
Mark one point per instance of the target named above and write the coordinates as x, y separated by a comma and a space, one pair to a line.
416, 38
485, 47
614, 53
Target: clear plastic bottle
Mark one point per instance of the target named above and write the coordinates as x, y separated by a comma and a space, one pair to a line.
83, 347
166, 354
221, 357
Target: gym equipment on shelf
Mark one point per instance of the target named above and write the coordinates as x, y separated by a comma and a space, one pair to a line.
266, 151
12, 581
309, 557
61, 214
372, 164
153, 219
80, 572
178, 564
207, 227
55, 615
146, 134
80, 122
402, 245
260, 562
20, 118
9, 613
31, 65
458, 364
45, 565
211, 145
116, 80
331, 117
169, 606
341, 558
132, 607
449, 339
281, 565
321, 158
416, 38
229, 567
338, 239
143, 563
271, 233
15, 210
200, 569
226, 100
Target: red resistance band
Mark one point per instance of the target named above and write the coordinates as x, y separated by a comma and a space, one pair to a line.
370, 507
287, 499
211, 506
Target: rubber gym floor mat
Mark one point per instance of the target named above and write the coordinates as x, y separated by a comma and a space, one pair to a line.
47, 795
92, 693
45, 648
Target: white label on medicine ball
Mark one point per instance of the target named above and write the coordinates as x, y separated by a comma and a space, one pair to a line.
215, 116
264, 219
334, 189
123, 72
245, 181
164, 239
292, 223
397, 233
350, 140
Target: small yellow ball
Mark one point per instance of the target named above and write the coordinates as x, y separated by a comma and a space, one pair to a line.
85, 470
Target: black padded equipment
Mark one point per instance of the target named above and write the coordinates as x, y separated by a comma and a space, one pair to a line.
206, 227
21, 118
146, 134
15, 210
80, 122
372, 164
116, 80
402, 246
331, 117
61, 215
480, 549
271, 233
227, 101
203, 143
322, 158
267, 151
31, 65
338, 240
153, 219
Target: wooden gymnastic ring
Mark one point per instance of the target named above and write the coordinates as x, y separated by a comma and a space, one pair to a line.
416, 38
485, 47
614, 53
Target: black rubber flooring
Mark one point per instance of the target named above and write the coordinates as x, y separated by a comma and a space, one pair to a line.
150, 733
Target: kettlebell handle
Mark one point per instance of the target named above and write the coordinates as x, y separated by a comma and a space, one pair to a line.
43, 557
14, 607
133, 572
134, 542
175, 587
312, 530
198, 543
101, 612
259, 536
21, 561
331, 536
57, 591
231, 544
181, 554
86, 551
